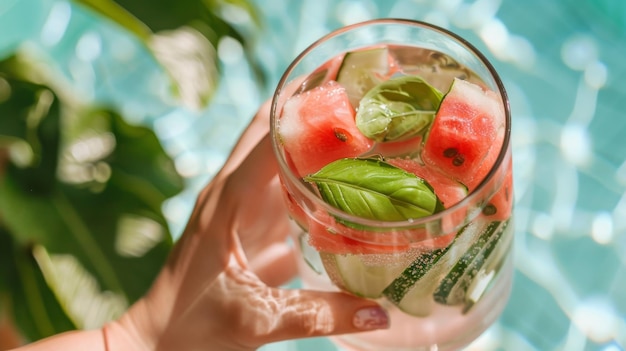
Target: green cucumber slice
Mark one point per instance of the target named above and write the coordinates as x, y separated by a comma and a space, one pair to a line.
491, 269
468, 271
412, 291
309, 254
365, 275
405, 282
361, 70
497, 257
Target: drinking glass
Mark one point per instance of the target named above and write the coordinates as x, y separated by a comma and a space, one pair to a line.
446, 277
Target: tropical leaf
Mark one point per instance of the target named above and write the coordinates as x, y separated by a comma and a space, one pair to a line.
85, 211
25, 294
113, 11
182, 35
30, 120
86, 221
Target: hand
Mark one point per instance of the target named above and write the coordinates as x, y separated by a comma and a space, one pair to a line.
219, 290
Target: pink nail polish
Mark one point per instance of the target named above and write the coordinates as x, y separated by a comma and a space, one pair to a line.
370, 318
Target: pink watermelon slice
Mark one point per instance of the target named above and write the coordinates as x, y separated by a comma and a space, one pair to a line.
399, 148
327, 235
293, 208
467, 133
500, 205
317, 127
328, 70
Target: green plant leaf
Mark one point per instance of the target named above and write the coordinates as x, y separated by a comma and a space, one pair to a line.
85, 217
86, 209
25, 294
397, 109
170, 14
113, 11
373, 189
182, 35
29, 128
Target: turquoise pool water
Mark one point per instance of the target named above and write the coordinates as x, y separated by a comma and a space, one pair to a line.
562, 63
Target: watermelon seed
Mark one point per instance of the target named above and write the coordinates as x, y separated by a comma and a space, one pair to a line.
490, 210
450, 152
341, 134
458, 160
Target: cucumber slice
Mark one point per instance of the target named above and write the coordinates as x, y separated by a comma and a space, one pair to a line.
310, 255
491, 269
361, 70
497, 257
412, 290
365, 275
399, 287
455, 286
415, 298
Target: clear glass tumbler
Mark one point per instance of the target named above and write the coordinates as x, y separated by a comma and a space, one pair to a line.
444, 275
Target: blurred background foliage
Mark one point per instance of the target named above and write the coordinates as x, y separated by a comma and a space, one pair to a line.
82, 232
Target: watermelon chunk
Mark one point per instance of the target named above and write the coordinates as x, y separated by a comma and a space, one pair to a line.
407, 147
327, 235
317, 127
325, 238
467, 133
500, 205
327, 71
293, 208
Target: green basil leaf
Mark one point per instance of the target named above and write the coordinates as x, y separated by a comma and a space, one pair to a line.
372, 189
398, 109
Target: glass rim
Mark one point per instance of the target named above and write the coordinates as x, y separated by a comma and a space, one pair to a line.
410, 223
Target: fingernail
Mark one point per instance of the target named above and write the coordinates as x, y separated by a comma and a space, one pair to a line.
370, 318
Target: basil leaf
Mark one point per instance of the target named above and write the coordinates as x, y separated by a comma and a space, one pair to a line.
397, 109
373, 189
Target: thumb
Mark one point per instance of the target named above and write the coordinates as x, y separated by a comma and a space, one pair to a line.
308, 313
